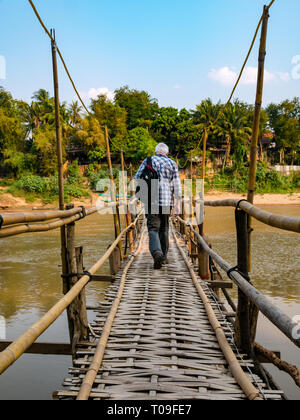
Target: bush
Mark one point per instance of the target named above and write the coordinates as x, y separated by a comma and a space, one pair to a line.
95, 177
33, 187
267, 181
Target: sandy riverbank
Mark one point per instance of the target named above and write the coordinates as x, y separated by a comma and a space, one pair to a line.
260, 199
11, 203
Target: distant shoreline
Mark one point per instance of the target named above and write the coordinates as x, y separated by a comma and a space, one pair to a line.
10, 203
260, 199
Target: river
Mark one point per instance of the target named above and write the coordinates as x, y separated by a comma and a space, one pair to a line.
30, 285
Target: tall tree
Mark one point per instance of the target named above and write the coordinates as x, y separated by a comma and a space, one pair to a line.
139, 105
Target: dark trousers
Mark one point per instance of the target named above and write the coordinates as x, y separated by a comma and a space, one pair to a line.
158, 228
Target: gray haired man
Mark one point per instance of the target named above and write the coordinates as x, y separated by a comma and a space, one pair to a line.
169, 196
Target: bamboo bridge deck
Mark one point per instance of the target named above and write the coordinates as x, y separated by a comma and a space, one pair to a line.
161, 345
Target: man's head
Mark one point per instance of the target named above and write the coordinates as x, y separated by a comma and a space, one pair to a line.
162, 149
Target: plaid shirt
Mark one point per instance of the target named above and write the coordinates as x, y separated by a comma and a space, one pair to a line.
169, 180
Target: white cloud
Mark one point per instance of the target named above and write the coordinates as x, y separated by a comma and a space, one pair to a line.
93, 93
177, 87
228, 76
250, 76
224, 75
285, 77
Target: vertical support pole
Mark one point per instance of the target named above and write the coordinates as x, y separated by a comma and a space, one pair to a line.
242, 324
77, 314
205, 137
254, 147
59, 160
203, 260
57, 124
257, 114
128, 218
113, 192
203, 257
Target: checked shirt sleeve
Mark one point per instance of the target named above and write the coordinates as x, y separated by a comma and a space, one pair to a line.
140, 171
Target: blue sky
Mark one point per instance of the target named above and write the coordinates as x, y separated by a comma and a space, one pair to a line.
180, 51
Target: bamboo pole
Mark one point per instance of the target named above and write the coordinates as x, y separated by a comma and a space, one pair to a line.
59, 158
128, 218
57, 124
254, 313
248, 388
242, 324
205, 137
27, 217
258, 106
77, 314
291, 224
113, 191
19, 346
45, 227
275, 315
87, 383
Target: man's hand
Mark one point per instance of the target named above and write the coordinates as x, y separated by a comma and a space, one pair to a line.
177, 208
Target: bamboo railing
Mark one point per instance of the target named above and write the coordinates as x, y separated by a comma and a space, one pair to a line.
291, 224
241, 278
19, 223
15, 350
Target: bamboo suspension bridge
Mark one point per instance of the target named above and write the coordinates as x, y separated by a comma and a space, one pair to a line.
159, 335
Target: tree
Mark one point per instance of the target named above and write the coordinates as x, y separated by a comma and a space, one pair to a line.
284, 120
45, 146
12, 135
164, 126
139, 144
112, 116
75, 113
139, 106
89, 134
233, 128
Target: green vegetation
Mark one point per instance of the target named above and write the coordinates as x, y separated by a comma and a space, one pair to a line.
267, 181
136, 123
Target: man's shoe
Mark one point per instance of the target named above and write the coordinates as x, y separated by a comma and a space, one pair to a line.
165, 261
158, 261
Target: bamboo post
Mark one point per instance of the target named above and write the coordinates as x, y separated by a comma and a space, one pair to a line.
254, 144
242, 324
113, 191
205, 137
257, 114
77, 314
203, 257
59, 158
128, 218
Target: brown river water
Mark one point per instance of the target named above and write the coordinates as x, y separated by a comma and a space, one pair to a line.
30, 285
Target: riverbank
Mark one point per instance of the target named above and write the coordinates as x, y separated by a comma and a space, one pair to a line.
9, 202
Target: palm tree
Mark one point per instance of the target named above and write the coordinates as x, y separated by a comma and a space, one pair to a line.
75, 110
207, 113
236, 132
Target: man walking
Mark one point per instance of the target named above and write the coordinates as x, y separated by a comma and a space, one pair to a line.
169, 193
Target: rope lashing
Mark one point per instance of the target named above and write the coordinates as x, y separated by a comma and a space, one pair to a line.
236, 270
87, 273
239, 202
83, 213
